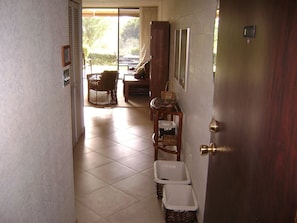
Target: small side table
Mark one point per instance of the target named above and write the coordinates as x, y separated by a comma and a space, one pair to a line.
167, 143
131, 82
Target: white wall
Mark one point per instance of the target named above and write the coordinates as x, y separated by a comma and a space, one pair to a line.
196, 101
36, 169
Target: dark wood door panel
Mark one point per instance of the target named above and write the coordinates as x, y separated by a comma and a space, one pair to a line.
280, 150
255, 101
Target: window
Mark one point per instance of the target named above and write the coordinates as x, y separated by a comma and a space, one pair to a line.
110, 38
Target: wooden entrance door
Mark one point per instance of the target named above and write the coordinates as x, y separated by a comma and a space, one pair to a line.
255, 103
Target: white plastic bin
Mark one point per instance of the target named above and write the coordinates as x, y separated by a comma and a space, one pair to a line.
170, 172
179, 202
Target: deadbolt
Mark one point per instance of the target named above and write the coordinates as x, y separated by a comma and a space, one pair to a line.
205, 149
214, 126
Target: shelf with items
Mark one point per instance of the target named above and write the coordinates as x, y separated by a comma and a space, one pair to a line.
167, 134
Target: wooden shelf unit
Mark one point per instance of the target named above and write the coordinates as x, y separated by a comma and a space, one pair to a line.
167, 143
159, 57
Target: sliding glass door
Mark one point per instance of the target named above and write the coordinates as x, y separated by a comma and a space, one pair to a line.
110, 39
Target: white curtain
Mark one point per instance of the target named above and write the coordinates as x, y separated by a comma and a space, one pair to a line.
147, 14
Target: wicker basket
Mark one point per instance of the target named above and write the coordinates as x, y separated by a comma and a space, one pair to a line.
172, 216
168, 95
159, 189
180, 204
170, 172
169, 140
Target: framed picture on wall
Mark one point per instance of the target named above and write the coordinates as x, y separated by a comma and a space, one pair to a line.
184, 57
177, 54
66, 60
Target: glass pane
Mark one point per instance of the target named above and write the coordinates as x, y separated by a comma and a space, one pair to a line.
110, 39
128, 39
100, 39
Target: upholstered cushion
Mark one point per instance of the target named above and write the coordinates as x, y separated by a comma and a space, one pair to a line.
147, 69
142, 72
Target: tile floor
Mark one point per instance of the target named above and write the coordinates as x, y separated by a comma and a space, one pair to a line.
113, 167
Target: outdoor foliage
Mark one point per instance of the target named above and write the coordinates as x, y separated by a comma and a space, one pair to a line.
129, 41
102, 59
131, 30
93, 29
100, 48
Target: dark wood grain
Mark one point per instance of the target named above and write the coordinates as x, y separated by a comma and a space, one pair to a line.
255, 100
159, 65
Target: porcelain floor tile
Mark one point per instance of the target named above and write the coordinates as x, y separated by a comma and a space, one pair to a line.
121, 136
107, 201
138, 143
112, 172
138, 162
87, 183
92, 160
95, 142
113, 167
145, 211
138, 186
116, 151
85, 215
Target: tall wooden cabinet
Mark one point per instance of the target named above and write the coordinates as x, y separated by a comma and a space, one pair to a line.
159, 64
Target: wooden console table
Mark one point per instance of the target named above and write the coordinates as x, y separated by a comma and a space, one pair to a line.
131, 82
170, 143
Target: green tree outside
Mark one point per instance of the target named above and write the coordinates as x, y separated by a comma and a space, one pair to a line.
99, 47
93, 29
129, 41
131, 30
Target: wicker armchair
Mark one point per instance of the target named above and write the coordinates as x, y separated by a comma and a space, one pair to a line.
105, 81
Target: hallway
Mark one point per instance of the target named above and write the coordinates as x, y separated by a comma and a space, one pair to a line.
113, 166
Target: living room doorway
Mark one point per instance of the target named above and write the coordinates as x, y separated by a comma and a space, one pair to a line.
115, 39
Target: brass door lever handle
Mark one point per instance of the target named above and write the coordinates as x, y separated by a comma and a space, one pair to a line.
212, 149
205, 149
